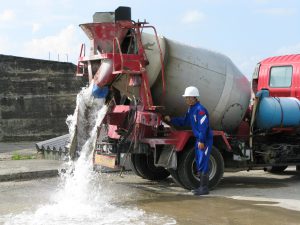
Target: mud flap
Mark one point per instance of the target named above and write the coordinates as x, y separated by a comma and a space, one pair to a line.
166, 158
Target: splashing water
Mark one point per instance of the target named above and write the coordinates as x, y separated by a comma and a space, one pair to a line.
81, 197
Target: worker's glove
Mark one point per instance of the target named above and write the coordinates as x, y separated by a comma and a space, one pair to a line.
201, 145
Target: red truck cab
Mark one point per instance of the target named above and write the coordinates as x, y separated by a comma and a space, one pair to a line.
279, 74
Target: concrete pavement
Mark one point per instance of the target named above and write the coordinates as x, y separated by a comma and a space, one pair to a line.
21, 161
28, 169
16, 146
29, 166
9, 149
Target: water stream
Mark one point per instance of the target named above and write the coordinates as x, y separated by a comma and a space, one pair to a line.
80, 196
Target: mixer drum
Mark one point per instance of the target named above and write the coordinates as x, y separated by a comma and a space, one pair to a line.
224, 90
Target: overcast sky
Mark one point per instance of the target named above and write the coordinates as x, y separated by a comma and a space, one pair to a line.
245, 30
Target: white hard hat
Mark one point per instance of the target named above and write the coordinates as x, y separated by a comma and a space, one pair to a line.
191, 92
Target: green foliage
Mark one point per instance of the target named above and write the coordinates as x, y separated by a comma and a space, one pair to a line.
16, 156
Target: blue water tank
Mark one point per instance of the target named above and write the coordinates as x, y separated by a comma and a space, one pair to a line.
278, 112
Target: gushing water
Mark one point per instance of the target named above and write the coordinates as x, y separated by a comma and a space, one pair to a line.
81, 197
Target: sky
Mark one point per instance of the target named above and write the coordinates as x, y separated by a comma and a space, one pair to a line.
247, 31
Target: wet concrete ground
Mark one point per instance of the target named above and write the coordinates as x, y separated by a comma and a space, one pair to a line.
270, 198
241, 198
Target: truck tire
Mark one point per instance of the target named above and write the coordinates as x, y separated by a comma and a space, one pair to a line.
144, 164
176, 178
132, 165
187, 169
276, 169
175, 175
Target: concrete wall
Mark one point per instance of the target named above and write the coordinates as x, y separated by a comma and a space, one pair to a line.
35, 97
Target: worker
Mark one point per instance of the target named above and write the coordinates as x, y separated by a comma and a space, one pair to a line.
197, 117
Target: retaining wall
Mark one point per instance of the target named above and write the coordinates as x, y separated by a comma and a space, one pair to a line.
35, 97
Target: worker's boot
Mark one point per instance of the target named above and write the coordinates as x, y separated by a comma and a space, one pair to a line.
203, 189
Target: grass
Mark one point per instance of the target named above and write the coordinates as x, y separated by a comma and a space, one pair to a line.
16, 156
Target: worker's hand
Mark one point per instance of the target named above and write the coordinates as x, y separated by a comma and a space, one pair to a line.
201, 145
167, 118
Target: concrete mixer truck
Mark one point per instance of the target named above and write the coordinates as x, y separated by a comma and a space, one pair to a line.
143, 75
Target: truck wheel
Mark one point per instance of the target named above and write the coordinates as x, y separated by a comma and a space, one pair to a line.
176, 178
132, 165
144, 164
187, 169
175, 175
276, 169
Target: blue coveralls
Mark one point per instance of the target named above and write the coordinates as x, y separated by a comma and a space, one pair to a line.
197, 117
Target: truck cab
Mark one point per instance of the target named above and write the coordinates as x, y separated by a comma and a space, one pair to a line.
280, 75
274, 134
